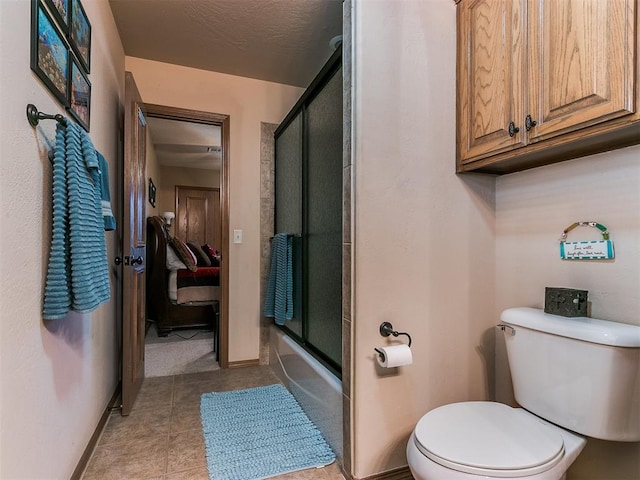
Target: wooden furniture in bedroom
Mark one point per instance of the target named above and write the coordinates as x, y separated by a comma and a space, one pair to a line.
160, 308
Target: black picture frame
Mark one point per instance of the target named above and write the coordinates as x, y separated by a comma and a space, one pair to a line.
79, 94
49, 53
152, 193
60, 11
80, 34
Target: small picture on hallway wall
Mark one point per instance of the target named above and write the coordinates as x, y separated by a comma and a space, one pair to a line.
152, 193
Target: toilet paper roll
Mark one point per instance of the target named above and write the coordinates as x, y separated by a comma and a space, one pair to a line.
394, 356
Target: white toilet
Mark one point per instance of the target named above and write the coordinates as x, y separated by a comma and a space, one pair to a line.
572, 376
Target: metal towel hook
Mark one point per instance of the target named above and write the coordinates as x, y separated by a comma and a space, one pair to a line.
34, 116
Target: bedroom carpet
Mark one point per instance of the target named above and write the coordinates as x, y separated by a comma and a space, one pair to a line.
183, 351
259, 433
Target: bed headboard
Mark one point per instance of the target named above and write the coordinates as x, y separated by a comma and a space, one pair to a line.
160, 309
157, 239
157, 279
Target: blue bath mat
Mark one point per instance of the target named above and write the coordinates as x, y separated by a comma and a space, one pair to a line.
259, 433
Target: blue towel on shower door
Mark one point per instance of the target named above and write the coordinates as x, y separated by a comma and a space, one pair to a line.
279, 299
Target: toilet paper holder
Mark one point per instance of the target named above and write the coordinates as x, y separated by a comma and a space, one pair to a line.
386, 329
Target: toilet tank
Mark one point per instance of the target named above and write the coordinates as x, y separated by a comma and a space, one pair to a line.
579, 373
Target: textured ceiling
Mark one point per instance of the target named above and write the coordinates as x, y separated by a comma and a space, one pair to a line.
283, 41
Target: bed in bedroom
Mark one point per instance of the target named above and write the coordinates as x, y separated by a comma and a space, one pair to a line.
178, 297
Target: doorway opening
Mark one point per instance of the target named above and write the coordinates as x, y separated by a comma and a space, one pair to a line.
211, 197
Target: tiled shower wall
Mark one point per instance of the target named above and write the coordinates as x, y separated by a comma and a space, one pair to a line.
267, 204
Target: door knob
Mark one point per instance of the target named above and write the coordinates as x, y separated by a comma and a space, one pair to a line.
118, 260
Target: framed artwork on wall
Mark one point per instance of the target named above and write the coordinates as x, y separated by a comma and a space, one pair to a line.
60, 11
80, 34
49, 53
152, 193
79, 95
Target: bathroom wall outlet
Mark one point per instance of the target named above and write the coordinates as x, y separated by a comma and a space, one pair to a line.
237, 236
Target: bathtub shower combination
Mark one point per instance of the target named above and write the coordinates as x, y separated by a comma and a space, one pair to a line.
306, 352
317, 390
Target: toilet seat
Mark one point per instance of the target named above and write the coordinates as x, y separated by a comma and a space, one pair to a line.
488, 438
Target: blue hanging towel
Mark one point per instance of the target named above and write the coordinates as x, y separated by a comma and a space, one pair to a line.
279, 298
105, 195
77, 274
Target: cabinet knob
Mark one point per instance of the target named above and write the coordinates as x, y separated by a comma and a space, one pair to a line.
513, 129
529, 122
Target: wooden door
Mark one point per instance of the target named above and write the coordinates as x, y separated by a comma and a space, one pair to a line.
198, 215
490, 75
133, 248
582, 61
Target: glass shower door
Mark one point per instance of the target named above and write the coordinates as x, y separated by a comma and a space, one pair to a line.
323, 221
308, 202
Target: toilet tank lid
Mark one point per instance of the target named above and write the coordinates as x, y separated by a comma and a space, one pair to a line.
587, 329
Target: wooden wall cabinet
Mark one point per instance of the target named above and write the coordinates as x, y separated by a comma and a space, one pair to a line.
542, 81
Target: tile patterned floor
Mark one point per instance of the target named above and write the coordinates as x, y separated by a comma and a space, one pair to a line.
162, 438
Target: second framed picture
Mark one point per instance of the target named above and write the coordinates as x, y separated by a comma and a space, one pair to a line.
79, 94
60, 10
80, 34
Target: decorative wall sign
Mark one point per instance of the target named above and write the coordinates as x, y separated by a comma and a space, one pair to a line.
80, 95
586, 250
80, 34
49, 53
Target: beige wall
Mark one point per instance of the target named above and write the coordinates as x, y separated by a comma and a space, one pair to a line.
153, 171
56, 376
532, 210
424, 238
248, 102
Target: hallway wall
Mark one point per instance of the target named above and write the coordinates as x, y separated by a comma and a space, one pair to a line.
248, 102
56, 376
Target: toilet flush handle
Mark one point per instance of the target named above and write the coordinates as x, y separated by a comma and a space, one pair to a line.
507, 328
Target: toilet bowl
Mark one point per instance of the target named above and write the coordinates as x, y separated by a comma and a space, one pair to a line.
561, 370
473, 440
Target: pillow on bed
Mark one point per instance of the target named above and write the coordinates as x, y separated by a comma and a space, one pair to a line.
202, 259
184, 254
213, 255
173, 262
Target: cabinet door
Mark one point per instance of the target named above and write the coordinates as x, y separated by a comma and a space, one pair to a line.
581, 63
490, 73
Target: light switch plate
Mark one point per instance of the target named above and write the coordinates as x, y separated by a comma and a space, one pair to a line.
237, 236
